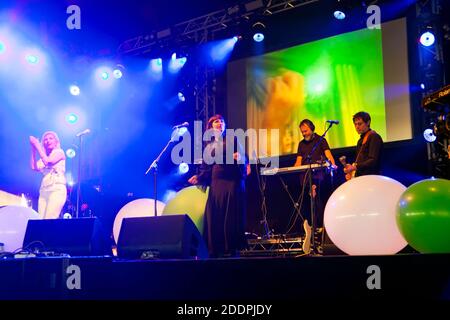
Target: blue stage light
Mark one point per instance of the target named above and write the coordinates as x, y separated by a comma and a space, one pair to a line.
72, 118
74, 90
183, 168
104, 75
70, 153
340, 15
427, 39
181, 97
31, 58
117, 74
258, 37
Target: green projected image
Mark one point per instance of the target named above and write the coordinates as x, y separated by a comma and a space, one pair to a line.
332, 78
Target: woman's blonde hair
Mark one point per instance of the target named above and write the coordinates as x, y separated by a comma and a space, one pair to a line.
58, 142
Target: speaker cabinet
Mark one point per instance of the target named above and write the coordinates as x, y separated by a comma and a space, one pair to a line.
76, 237
169, 236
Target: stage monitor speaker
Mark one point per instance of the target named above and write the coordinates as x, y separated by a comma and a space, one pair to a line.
168, 236
76, 237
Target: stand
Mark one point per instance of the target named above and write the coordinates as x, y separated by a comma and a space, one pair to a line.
262, 190
311, 197
80, 147
154, 167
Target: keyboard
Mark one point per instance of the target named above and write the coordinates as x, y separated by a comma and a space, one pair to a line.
285, 170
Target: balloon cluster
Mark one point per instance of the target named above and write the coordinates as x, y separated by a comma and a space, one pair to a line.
372, 215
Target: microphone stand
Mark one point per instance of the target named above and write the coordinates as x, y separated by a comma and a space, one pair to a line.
154, 167
77, 215
262, 189
309, 173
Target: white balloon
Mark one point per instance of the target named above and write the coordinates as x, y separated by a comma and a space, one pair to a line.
360, 216
13, 224
136, 209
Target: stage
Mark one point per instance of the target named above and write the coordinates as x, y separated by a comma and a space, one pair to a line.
312, 279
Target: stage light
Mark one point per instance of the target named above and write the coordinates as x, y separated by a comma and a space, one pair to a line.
70, 153
182, 61
176, 64
427, 39
72, 118
258, 37
220, 50
422, 86
258, 29
32, 59
2, 48
74, 90
117, 74
339, 11
183, 168
338, 14
429, 136
118, 71
156, 65
181, 97
104, 75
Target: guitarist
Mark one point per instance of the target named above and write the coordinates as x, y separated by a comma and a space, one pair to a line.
368, 149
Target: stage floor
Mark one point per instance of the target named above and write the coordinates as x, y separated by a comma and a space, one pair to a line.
402, 276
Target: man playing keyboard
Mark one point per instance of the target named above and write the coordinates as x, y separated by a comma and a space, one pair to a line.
320, 154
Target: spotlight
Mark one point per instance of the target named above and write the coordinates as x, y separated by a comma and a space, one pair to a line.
340, 15
340, 10
104, 75
422, 86
31, 58
237, 38
117, 73
427, 39
183, 168
429, 136
2, 48
156, 65
70, 153
258, 28
74, 90
176, 63
72, 118
181, 97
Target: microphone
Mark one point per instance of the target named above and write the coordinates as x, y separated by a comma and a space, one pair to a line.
333, 121
82, 133
184, 124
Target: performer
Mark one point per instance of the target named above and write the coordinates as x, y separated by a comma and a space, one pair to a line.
310, 138
225, 208
52, 164
321, 190
368, 149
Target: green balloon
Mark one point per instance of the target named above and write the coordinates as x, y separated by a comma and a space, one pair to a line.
423, 216
190, 201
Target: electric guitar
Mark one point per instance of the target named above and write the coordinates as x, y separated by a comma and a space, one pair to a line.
348, 175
